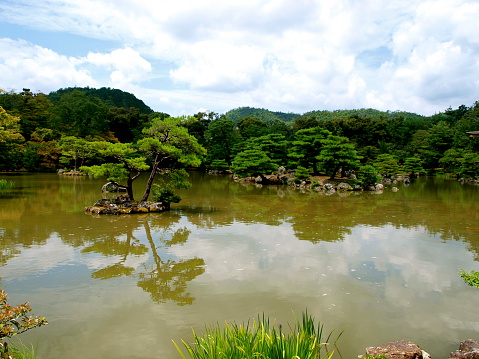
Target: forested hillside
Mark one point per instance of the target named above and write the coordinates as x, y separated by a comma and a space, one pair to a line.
41, 132
260, 113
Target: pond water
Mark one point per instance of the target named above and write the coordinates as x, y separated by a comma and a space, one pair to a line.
381, 267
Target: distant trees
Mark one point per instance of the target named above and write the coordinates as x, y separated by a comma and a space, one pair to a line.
41, 132
167, 148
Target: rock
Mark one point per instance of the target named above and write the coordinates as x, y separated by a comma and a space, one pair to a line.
379, 187
281, 171
395, 189
468, 349
398, 350
345, 186
328, 187
258, 179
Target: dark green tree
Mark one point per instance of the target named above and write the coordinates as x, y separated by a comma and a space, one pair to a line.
307, 146
252, 162
387, 165
337, 153
221, 137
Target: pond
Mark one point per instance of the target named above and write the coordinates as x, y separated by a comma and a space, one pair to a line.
381, 267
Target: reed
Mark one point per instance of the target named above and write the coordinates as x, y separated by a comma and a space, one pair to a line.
260, 339
4, 184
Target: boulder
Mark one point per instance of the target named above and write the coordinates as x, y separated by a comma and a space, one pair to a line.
468, 349
343, 186
398, 350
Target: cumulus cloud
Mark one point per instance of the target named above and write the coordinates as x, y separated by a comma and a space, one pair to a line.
298, 56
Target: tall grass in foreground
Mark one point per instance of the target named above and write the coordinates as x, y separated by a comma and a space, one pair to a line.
4, 184
18, 350
259, 339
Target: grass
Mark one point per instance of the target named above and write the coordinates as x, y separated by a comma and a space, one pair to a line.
18, 350
471, 278
262, 340
4, 184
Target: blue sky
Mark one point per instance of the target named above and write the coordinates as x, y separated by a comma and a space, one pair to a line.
186, 56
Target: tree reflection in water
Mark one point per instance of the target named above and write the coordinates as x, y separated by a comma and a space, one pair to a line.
163, 279
166, 280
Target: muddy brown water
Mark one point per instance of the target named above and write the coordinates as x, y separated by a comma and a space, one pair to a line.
380, 267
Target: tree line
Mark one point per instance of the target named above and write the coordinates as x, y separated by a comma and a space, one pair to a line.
75, 127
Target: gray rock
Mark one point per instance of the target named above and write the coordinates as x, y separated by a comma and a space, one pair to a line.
345, 186
398, 350
468, 349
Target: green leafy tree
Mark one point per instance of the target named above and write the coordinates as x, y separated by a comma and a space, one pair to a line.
221, 138
74, 149
302, 174
14, 321
167, 148
252, 127
80, 115
452, 160
11, 142
307, 147
274, 145
252, 162
338, 153
170, 147
368, 175
413, 165
387, 165
128, 163
469, 165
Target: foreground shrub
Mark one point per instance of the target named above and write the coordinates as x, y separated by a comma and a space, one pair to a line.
14, 321
259, 339
471, 278
4, 184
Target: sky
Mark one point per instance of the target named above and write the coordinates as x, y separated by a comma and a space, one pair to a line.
186, 56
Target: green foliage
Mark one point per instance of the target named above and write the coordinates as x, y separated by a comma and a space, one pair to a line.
111, 97
221, 137
469, 165
14, 321
163, 191
260, 339
252, 127
274, 145
4, 184
18, 350
377, 356
338, 153
260, 113
219, 165
471, 278
252, 162
307, 146
413, 165
386, 164
368, 176
302, 174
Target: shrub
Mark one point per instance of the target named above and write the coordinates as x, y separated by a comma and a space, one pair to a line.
260, 339
471, 278
4, 184
14, 321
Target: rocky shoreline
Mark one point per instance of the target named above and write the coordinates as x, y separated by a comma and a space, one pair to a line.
468, 349
123, 205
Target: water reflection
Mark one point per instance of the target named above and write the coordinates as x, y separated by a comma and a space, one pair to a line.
383, 267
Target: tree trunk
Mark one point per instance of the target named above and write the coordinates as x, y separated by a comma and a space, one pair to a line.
149, 183
129, 185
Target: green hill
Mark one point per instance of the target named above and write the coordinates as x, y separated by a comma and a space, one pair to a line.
111, 97
262, 114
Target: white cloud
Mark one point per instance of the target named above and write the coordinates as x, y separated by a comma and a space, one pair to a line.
23, 64
299, 56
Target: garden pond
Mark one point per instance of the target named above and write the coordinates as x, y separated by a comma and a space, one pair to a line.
379, 266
